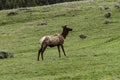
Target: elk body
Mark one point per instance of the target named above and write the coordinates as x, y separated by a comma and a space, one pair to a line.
54, 40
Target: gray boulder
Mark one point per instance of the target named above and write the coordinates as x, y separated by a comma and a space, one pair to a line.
5, 54
82, 36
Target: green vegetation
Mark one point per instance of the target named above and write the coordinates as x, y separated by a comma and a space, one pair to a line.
94, 58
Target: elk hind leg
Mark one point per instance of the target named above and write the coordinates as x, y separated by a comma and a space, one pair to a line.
39, 52
43, 49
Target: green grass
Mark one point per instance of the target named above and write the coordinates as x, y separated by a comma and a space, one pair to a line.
94, 58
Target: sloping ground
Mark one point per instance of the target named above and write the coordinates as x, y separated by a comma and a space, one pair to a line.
94, 58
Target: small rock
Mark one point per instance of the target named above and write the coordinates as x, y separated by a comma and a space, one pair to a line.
82, 36
42, 23
108, 15
106, 21
12, 13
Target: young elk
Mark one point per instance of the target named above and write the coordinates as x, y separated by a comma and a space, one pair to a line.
54, 40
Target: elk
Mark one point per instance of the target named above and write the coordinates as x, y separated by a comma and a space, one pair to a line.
54, 40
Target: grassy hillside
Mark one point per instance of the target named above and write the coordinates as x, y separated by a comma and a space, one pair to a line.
95, 58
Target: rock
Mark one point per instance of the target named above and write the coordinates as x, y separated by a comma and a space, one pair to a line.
106, 21
108, 15
82, 36
42, 23
12, 13
117, 5
5, 54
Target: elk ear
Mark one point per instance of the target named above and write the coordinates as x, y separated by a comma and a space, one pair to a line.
64, 26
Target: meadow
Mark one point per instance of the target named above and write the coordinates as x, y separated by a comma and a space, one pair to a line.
95, 58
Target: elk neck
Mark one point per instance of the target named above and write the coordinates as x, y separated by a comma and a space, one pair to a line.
64, 33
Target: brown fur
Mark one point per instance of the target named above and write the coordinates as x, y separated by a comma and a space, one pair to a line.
54, 40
